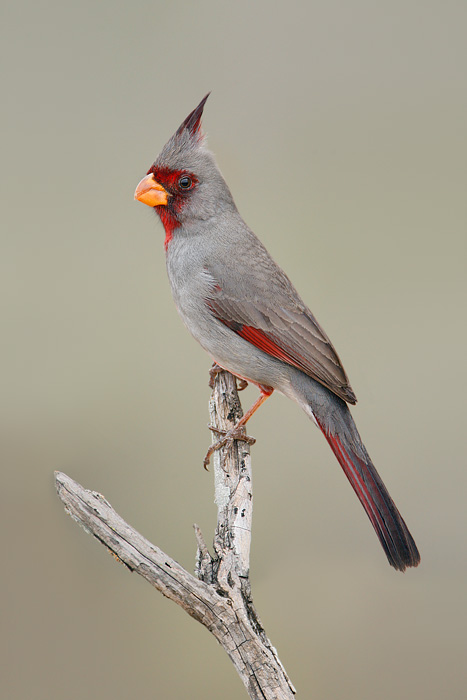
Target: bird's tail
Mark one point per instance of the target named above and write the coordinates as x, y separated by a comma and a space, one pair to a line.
335, 420
351, 454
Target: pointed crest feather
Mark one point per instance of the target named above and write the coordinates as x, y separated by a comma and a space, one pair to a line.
193, 121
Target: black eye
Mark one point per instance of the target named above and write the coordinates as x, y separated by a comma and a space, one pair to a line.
185, 182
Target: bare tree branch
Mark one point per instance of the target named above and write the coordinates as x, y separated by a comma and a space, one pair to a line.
219, 594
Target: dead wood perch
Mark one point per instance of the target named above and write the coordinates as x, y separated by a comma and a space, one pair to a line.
219, 594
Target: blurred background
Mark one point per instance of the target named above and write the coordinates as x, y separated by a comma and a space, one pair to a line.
341, 130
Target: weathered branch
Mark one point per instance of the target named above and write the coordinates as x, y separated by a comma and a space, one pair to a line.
219, 595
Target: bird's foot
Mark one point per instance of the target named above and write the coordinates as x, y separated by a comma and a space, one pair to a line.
214, 371
227, 439
241, 384
236, 433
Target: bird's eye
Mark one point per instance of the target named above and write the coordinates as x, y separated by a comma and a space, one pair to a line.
185, 182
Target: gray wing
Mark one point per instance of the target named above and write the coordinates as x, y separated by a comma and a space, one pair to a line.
260, 304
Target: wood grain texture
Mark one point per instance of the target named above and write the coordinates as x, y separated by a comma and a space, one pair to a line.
219, 594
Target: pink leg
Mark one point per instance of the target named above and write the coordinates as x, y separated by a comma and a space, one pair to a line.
237, 433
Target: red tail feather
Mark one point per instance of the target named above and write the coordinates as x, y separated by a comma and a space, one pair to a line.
391, 529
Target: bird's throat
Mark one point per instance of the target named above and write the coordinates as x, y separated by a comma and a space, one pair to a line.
170, 223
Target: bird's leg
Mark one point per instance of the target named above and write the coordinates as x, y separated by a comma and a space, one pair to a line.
237, 432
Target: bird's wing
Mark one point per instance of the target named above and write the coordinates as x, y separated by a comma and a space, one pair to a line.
284, 328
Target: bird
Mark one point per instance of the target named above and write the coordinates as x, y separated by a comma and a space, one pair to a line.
247, 315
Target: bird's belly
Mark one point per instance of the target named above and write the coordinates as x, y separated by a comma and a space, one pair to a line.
190, 287
232, 352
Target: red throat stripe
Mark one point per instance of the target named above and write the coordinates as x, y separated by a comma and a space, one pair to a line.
169, 222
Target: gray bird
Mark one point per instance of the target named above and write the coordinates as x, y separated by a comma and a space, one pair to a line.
244, 311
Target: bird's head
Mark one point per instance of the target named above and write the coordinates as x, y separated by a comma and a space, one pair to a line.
184, 184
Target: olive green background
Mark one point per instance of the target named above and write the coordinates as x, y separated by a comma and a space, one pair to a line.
341, 130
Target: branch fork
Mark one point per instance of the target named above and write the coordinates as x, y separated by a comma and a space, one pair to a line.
219, 593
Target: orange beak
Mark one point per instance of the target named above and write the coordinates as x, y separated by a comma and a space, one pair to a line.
150, 192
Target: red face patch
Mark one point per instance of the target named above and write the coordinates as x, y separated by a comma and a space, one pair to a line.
179, 184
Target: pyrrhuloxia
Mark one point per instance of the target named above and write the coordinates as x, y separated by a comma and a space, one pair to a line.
244, 311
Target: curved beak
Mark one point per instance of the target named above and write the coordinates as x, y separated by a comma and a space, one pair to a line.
150, 192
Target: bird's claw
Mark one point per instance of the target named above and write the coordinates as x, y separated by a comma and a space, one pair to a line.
213, 372
227, 440
235, 434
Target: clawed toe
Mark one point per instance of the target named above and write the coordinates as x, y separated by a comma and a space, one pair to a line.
213, 372
227, 439
237, 431
217, 430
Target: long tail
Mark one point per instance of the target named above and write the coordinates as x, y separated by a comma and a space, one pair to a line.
388, 523
335, 420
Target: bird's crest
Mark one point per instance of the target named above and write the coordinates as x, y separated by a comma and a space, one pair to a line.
187, 139
193, 121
